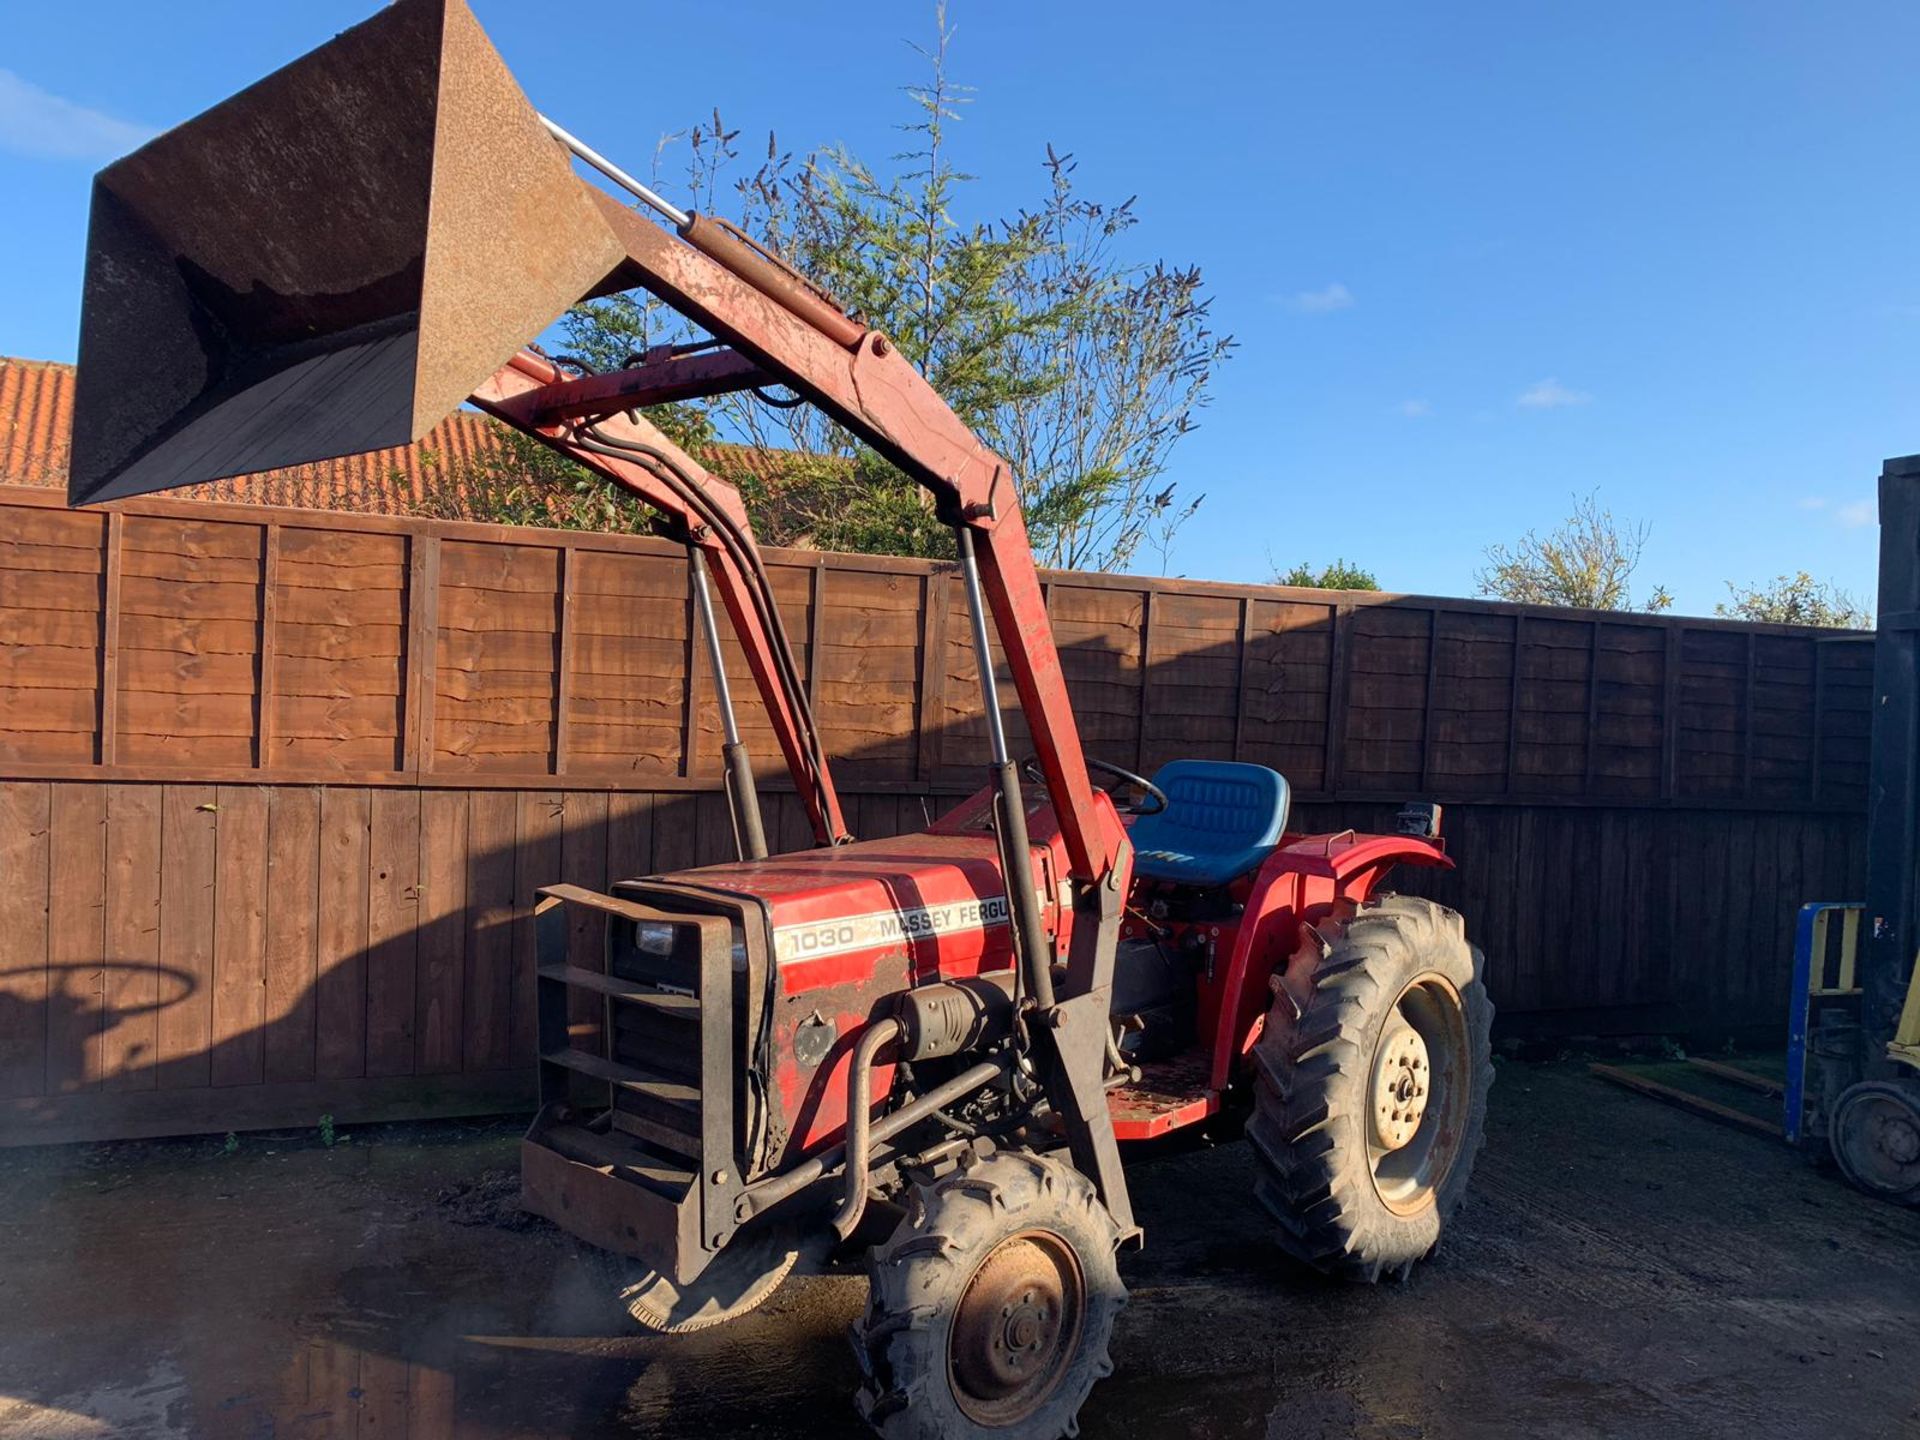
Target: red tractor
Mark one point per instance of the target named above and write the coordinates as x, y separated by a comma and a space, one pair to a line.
940, 1040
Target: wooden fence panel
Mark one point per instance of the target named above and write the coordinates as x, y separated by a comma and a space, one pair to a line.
497, 698
1098, 632
26, 812
52, 604
189, 641
291, 969
276, 787
867, 693
1287, 713
338, 683
1192, 696
628, 666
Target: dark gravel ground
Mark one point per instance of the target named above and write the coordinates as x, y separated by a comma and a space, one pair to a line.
1620, 1270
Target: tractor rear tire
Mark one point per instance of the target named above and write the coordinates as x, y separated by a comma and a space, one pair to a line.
991, 1306
1370, 1087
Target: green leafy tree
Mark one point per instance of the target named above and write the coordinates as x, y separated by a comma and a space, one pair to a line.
1077, 364
1338, 576
522, 482
1588, 561
1796, 599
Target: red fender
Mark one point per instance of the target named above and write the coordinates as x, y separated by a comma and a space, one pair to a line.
1304, 878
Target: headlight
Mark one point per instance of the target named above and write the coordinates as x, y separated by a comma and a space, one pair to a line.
653, 938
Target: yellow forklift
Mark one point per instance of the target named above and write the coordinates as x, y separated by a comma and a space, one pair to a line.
1853, 1071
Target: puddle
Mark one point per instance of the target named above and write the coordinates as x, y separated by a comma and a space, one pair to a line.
390, 1287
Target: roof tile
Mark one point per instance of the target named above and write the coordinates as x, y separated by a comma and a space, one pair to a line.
36, 421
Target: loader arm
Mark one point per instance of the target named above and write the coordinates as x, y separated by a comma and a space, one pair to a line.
857, 377
871, 389
528, 393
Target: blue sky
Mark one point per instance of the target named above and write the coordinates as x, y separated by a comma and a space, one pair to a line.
1479, 257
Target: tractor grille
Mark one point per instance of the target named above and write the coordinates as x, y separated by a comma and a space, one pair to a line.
657, 1035
637, 1025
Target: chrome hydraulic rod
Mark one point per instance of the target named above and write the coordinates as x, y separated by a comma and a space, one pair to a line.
743, 795
1016, 851
613, 172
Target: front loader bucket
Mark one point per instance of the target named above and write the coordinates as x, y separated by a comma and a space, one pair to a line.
328, 262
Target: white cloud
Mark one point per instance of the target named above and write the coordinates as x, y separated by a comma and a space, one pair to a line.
1549, 394
1856, 513
1323, 301
1416, 409
33, 122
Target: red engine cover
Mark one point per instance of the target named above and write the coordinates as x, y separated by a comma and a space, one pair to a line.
855, 925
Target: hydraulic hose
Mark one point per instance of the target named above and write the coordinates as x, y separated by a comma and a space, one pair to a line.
737, 545
745, 556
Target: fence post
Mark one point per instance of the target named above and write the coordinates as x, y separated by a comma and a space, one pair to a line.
562, 720
109, 729
933, 674
1146, 679
269, 621
1246, 658
1670, 717
423, 633
1507, 781
1337, 665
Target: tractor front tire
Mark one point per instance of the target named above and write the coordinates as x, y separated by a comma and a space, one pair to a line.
741, 1278
1370, 1087
991, 1306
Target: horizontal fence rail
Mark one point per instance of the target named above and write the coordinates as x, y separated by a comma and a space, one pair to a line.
277, 786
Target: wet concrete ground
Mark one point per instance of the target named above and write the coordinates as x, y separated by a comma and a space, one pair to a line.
1621, 1270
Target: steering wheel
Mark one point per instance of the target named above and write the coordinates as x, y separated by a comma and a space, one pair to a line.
1030, 767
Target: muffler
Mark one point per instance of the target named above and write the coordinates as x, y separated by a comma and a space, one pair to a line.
329, 262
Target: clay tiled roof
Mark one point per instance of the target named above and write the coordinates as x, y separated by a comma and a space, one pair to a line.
36, 417
36, 420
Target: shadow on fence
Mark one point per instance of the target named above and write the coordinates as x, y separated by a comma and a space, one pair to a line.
367, 951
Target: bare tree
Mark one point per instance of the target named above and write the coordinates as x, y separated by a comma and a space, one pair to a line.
1588, 561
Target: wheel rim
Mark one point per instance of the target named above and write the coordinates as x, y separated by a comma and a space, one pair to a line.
1877, 1137
1016, 1328
1417, 1094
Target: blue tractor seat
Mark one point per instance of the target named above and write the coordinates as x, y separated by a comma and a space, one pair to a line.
1222, 819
